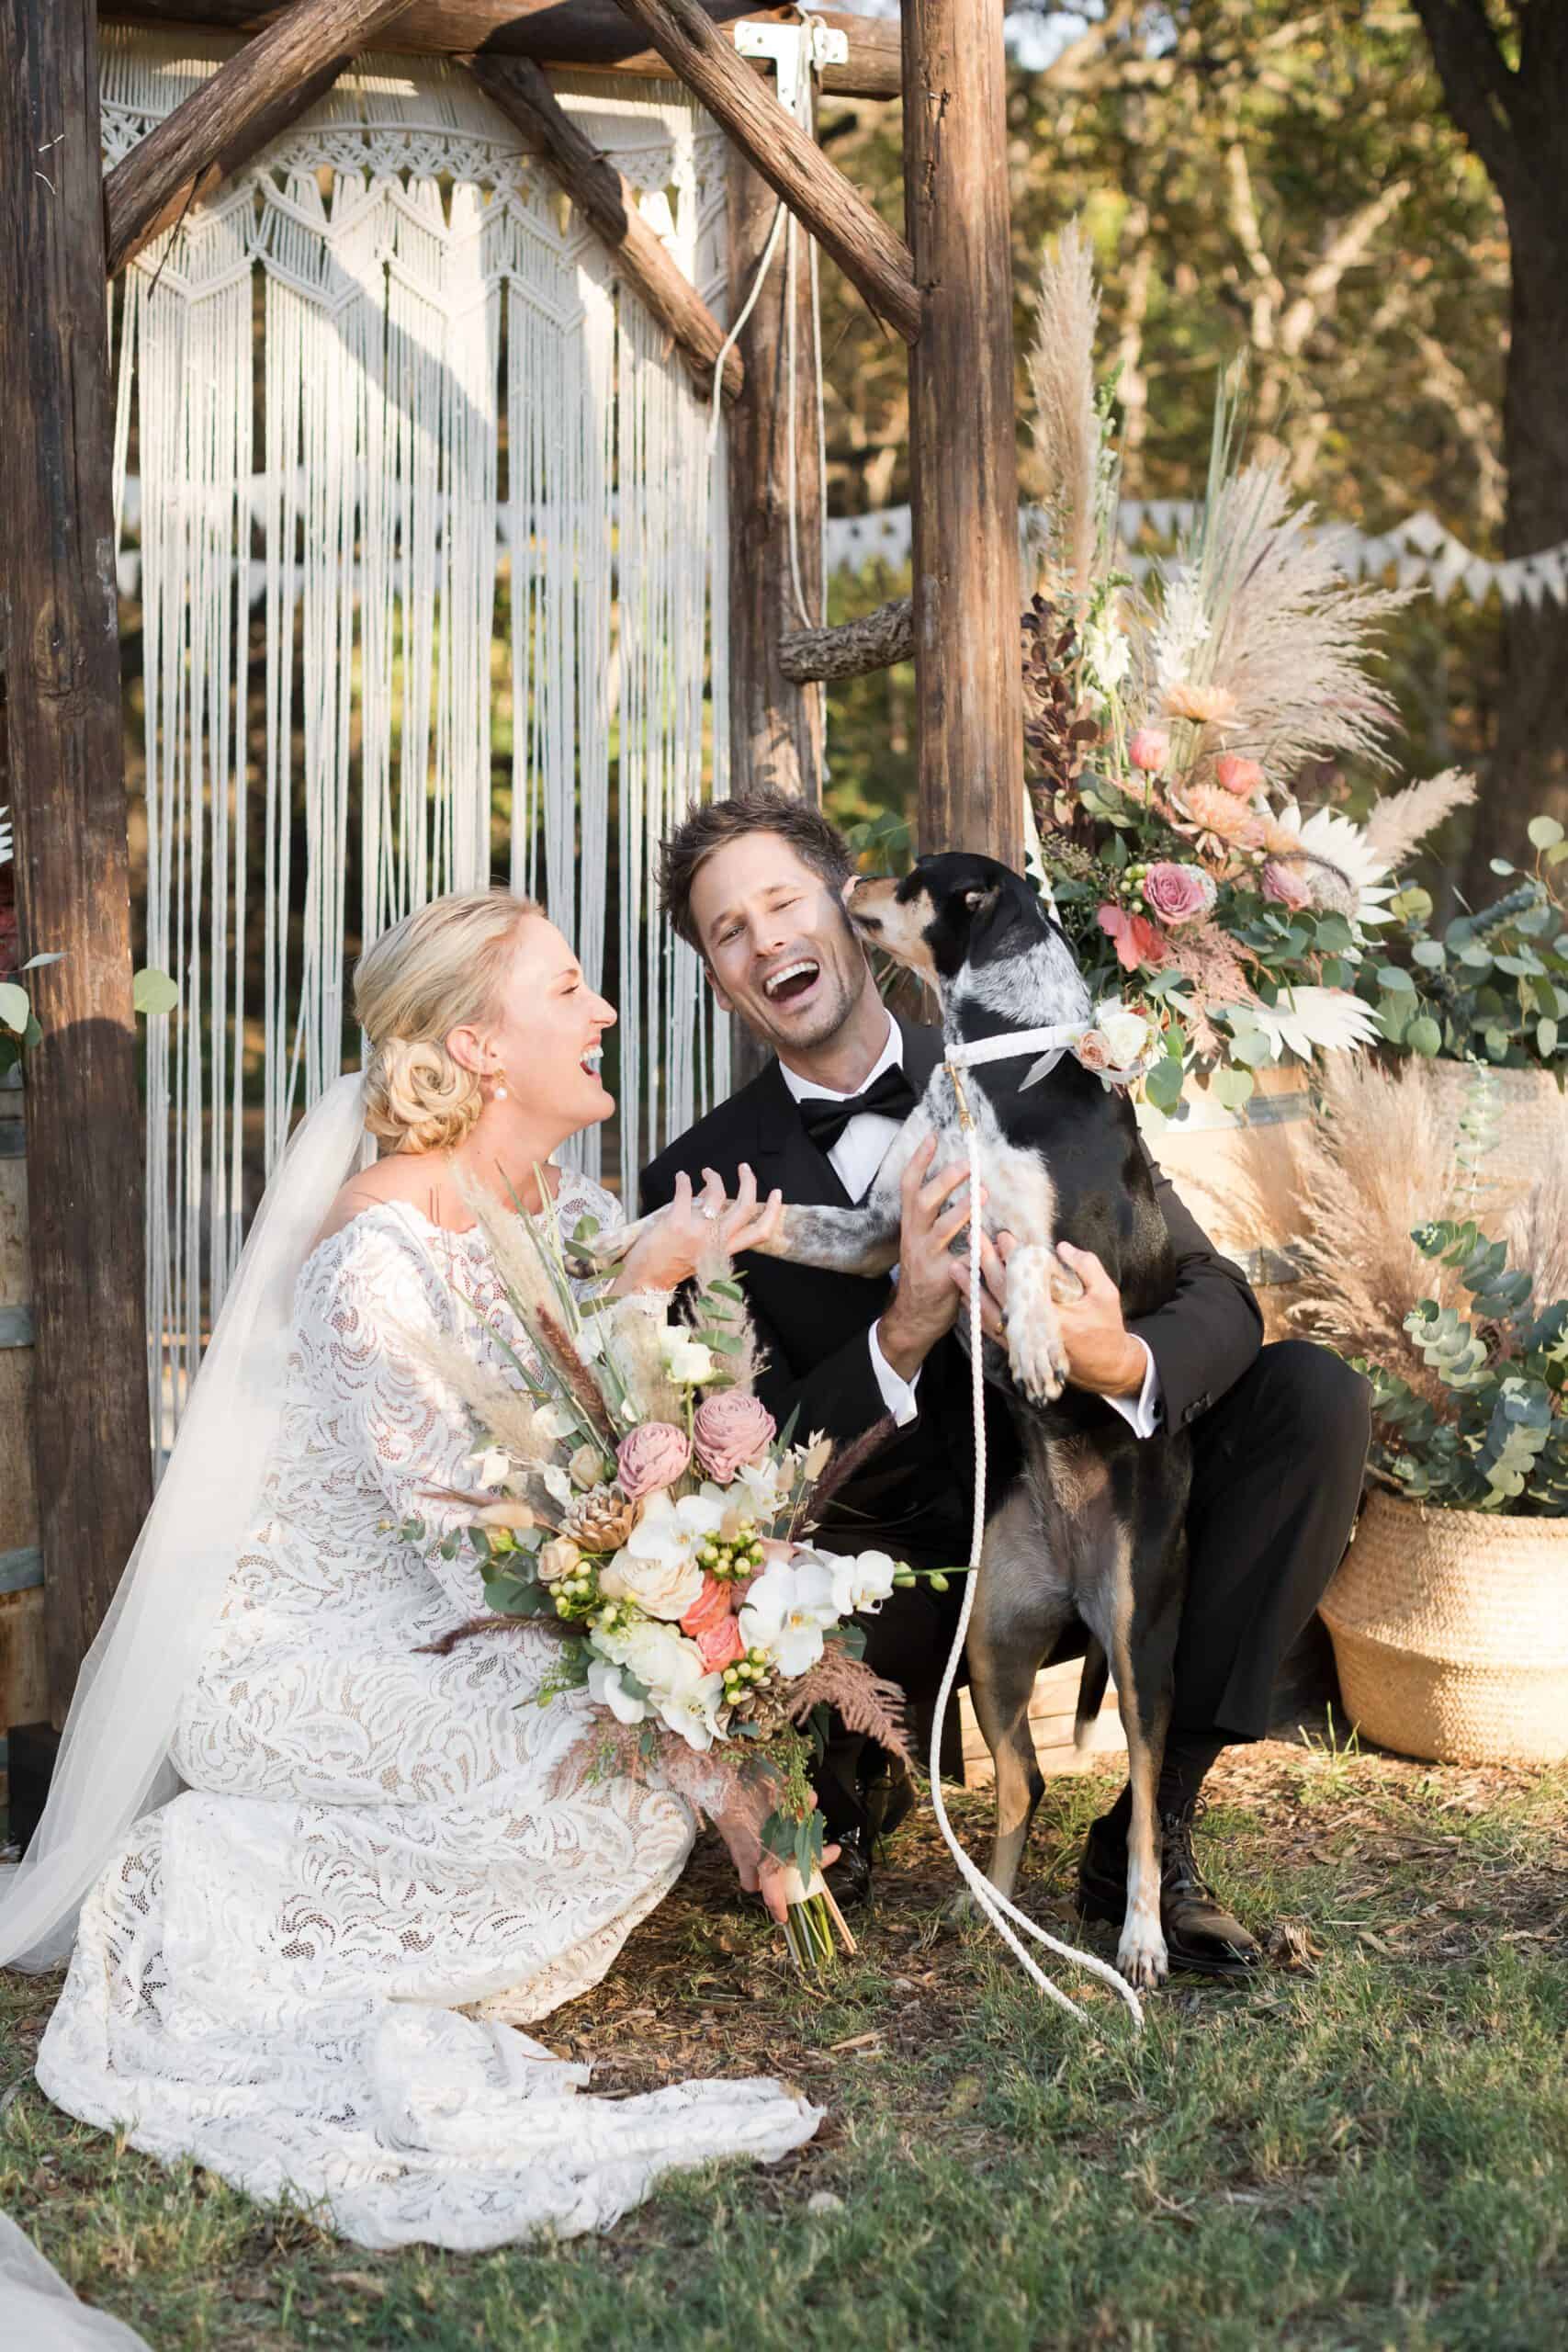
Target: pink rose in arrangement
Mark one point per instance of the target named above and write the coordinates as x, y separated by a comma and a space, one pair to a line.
710, 1622
1177, 894
730, 1428
1137, 940
651, 1457
1285, 885
1244, 777
1148, 749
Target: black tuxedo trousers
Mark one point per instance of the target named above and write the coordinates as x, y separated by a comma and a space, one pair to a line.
1278, 1436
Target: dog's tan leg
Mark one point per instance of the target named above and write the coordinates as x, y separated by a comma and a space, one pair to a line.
1141, 1955
1019, 1608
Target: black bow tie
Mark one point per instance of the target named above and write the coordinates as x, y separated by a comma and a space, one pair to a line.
889, 1096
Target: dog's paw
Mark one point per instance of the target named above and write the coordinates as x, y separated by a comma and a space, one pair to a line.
1036, 1357
1141, 1955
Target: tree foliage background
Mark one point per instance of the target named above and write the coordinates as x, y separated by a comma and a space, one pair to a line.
1261, 177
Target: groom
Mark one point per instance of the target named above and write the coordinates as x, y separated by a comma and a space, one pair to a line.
1279, 1433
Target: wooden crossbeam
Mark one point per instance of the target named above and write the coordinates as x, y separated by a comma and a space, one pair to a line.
868, 252
608, 201
553, 32
250, 98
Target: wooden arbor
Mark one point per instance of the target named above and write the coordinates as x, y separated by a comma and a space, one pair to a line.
944, 289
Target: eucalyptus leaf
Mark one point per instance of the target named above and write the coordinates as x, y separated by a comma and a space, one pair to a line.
1545, 833
153, 992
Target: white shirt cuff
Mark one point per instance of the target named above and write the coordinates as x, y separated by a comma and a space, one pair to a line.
897, 1394
1142, 1412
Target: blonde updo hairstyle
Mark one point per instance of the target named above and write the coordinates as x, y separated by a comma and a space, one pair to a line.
438, 969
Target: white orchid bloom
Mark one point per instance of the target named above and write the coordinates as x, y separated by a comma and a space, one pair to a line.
787, 1612
863, 1582
606, 1688
764, 1485
690, 1706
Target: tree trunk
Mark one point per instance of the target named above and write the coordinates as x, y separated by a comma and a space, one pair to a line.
1529, 765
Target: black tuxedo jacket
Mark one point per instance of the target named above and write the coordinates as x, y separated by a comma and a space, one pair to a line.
915, 1496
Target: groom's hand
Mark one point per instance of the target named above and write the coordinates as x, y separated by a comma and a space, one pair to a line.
925, 1304
1102, 1355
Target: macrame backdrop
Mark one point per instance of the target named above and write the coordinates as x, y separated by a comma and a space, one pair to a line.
388, 388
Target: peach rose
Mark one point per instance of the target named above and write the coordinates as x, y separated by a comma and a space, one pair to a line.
652, 1456
710, 1622
1239, 776
1148, 749
729, 1430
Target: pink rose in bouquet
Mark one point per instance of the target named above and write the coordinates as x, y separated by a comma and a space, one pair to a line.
730, 1428
1148, 749
710, 1622
1285, 885
1177, 894
1239, 776
652, 1456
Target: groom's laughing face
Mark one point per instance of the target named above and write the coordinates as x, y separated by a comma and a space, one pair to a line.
778, 946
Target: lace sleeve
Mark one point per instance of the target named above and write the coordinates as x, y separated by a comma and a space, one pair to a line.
364, 1320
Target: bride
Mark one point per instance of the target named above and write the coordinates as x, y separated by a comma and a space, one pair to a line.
307, 1971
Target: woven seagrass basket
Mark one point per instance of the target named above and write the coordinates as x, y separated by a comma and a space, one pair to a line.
1450, 1634
1532, 1118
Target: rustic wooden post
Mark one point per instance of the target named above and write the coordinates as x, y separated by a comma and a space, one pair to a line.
963, 473
775, 725
57, 599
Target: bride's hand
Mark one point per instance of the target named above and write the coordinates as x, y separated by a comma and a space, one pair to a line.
758, 1872
693, 1225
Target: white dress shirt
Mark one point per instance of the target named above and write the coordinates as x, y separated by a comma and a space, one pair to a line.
855, 1160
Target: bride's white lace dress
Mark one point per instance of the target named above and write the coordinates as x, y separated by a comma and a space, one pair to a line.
308, 1971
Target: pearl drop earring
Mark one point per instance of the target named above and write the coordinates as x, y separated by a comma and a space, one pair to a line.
499, 1094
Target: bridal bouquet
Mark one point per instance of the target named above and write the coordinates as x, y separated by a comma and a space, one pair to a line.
631, 1493
1178, 734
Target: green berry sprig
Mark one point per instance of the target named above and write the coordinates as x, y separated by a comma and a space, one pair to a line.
729, 1560
744, 1674
577, 1596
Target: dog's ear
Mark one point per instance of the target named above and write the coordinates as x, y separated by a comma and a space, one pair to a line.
998, 911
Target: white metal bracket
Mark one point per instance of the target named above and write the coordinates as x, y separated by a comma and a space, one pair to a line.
795, 51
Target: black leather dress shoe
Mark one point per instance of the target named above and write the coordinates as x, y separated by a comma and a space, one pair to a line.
849, 1878
890, 1797
1201, 1937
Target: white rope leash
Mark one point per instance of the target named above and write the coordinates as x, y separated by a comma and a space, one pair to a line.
995, 1906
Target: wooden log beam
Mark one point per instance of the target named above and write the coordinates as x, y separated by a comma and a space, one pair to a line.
91, 1438
964, 470
609, 202
246, 102
776, 724
852, 649
553, 32
871, 256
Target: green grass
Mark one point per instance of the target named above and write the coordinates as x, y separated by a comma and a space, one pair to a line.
1366, 2146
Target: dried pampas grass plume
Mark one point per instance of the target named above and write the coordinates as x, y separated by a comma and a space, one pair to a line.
1061, 382
1378, 1162
1400, 821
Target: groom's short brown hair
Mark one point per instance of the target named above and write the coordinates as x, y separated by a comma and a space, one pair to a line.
816, 842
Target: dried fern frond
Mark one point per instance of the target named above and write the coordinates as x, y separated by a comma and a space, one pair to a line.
1400, 821
862, 1700
1069, 431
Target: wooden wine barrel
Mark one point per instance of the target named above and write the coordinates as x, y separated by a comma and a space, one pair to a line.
1240, 1174
24, 1686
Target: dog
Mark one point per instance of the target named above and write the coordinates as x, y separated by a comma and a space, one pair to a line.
1095, 1525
